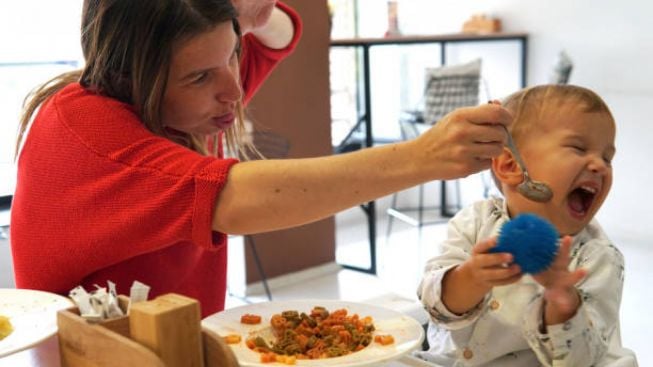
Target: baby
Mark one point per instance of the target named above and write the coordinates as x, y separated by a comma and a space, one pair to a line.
484, 310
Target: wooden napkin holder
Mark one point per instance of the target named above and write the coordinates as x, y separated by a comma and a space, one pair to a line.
164, 332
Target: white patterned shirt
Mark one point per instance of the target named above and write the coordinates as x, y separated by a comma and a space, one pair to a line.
504, 328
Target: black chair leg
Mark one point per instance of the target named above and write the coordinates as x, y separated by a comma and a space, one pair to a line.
259, 267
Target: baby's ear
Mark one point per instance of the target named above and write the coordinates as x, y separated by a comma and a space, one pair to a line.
506, 169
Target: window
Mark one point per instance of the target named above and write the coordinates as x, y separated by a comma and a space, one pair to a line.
40, 39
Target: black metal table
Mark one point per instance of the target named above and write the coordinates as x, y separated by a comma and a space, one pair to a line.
365, 44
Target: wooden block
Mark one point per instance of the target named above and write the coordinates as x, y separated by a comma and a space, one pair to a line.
216, 352
119, 325
82, 344
170, 326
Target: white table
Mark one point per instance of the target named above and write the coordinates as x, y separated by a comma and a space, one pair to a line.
46, 354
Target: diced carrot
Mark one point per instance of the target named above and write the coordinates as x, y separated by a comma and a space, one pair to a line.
345, 336
250, 319
232, 339
384, 339
250, 343
268, 357
290, 360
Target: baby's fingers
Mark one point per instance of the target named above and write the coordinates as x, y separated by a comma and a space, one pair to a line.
486, 259
561, 260
562, 257
484, 246
576, 276
503, 275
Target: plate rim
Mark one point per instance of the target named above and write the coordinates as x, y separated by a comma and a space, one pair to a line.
47, 332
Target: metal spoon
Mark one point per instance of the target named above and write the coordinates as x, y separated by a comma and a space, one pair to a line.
530, 189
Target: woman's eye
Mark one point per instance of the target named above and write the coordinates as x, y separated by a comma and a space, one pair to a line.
200, 78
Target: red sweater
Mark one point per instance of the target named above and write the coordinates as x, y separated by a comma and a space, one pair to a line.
99, 197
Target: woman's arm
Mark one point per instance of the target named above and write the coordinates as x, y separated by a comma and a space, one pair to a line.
264, 195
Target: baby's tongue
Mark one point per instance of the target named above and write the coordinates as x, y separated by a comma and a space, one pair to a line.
576, 202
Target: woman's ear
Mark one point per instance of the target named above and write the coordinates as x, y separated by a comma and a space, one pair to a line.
506, 169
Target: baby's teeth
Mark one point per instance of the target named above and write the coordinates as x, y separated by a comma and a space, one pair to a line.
589, 189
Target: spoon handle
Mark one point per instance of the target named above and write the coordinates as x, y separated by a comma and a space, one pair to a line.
513, 149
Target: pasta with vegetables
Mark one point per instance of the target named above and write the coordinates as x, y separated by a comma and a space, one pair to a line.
320, 334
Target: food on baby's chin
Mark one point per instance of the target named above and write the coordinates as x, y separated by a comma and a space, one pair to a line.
320, 334
5, 327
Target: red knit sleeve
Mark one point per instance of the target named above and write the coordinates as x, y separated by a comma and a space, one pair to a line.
258, 60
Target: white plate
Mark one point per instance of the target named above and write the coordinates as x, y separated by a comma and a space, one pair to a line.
33, 315
407, 332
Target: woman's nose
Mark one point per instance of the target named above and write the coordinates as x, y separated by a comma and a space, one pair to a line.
228, 87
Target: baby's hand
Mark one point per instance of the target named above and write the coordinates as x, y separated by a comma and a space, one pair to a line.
559, 283
489, 270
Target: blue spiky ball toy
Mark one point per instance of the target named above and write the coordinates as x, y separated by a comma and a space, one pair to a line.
532, 241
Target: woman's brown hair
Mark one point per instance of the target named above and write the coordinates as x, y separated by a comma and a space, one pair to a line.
127, 46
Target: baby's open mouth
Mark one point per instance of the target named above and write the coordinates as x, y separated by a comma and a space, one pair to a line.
580, 200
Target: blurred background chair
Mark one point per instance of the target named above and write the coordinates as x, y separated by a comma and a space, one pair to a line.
447, 88
354, 140
561, 69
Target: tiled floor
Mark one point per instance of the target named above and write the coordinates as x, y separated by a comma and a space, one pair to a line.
402, 256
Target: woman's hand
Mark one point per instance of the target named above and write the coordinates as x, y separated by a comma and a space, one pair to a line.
253, 14
560, 295
464, 141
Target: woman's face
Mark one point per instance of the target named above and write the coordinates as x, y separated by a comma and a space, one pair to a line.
203, 83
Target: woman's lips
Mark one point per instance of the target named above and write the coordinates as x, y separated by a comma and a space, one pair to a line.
223, 122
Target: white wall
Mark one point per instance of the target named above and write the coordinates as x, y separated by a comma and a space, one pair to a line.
37, 32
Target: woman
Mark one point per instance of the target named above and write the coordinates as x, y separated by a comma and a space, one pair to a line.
121, 178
